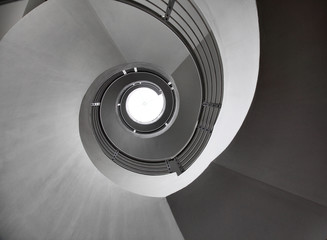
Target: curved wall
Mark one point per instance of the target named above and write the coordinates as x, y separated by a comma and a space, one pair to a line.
236, 30
270, 183
235, 25
283, 141
49, 188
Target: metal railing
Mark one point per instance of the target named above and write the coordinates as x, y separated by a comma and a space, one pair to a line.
185, 19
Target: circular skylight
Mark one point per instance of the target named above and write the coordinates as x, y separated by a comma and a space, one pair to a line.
144, 105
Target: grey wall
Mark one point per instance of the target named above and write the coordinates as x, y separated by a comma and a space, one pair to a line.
270, 183
283, 139
49, 189
32, 4
225, 205
139, 36
10, 14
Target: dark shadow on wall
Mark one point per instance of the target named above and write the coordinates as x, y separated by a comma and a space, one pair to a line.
11, 11
281, 145
33, 4
8, 1
283, 139
225, 205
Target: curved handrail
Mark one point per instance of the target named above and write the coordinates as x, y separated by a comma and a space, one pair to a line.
185, 19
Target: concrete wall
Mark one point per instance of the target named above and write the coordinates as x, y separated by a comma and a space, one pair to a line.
32, 4
10, 14
49, 188
283, 140
270, 183
139, 36
223, 204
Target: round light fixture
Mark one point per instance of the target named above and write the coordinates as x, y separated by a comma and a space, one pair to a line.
144, 105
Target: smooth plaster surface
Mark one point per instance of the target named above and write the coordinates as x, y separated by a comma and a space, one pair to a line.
239, 45
10, 14
270, 183
283, 139
139, 36
235, 27
237, 34
49, 188
222, 204
32, 4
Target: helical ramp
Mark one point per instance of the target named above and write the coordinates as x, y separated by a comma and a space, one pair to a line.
69, 70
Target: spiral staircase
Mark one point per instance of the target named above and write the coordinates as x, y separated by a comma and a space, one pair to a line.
76, 164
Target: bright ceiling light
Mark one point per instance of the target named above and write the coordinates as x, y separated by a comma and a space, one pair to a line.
144, 105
